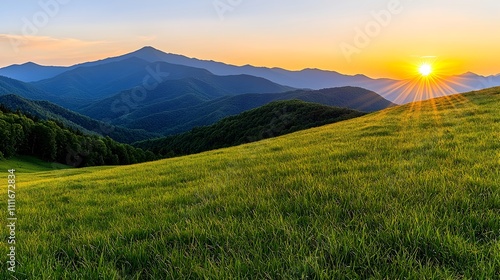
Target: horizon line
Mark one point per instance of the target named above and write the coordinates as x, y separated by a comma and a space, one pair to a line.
236, 65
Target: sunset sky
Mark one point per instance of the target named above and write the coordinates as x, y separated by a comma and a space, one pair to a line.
379, 38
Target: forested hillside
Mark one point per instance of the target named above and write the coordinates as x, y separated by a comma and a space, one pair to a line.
272, 120
53, 142
49, 111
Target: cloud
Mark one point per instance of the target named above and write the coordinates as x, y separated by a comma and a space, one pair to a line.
44, 43
15, 49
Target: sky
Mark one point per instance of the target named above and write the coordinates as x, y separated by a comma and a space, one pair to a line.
378, 38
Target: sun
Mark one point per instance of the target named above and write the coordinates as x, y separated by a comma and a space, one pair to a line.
425, 69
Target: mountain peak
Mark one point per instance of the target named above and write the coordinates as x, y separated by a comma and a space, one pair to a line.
29, 64
148, 49
147, 53
470, 74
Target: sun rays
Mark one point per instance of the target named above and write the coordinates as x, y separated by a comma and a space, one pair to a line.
426, 79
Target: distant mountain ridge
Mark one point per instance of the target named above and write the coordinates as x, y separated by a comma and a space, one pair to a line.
164, 98
31, 72
173, 93
141, 92
393, 90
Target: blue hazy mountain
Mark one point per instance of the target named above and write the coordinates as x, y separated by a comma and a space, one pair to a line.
27, 90
391, 89
92, 82
173, 97
398, 91
31, 72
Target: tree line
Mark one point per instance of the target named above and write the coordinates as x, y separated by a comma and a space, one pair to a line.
53, 142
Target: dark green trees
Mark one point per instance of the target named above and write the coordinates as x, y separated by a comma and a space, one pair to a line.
50, 141
272, 120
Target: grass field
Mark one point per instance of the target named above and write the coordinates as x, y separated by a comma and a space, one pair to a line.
412, 192
25, 164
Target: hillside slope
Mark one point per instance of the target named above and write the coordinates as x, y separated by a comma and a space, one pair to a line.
11, 86
410, 192
49, 111
271, 120
23, 135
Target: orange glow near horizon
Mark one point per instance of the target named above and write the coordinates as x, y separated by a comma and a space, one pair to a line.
305, 34
426, 78
377, 64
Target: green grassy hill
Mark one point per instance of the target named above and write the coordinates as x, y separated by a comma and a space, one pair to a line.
411, 192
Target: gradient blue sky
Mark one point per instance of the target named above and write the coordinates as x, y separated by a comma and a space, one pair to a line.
462, 34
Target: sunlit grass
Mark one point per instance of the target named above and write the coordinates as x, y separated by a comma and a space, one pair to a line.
410, 192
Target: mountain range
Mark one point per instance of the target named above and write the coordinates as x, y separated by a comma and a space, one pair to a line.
398, 91
150, 93
176, 106
141, 94
86, 84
